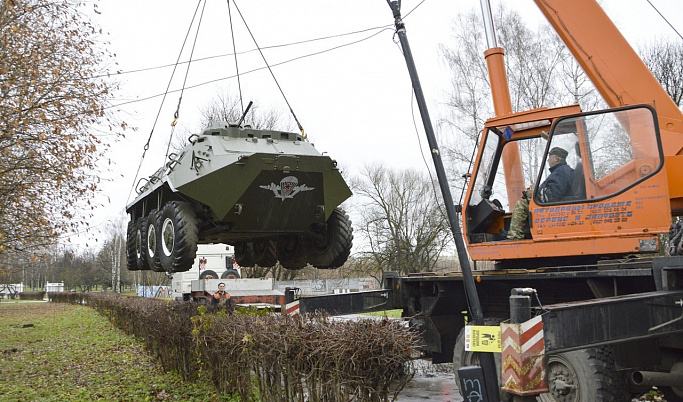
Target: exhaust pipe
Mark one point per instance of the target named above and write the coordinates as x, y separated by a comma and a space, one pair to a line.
654, 378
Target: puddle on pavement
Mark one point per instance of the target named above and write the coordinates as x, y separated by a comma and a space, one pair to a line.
431, 383
437, 389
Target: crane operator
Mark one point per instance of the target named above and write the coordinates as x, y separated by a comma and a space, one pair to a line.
556, 186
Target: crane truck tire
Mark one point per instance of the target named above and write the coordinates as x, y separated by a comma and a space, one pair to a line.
131, 255
265, 253
291, 252
208, 274
230, 274
675, 239
244, 254
463, 358
584, 375
177, 236
333, 247
670, 392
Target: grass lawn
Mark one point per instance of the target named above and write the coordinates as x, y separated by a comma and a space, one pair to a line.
60, 352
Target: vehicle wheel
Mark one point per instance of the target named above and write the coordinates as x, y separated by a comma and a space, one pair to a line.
581, 376
463, 358
333, 248
131, 253
675, 236
244, 254
674, 394
230, 274
265, 253
670, 394
291, 252
152, 250
141, 244
177, 236
208, 274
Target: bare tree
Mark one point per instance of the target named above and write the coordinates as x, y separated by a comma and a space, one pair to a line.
277, 272
225, 107
402, 222
112, 256
468, 104
228, 108
541, 73
50, 100
665, 60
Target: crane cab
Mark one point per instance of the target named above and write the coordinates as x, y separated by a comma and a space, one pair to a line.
617, 202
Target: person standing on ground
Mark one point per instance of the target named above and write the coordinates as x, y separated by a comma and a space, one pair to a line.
221, 297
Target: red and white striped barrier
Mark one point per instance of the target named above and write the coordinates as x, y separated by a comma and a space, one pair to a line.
292, 308
524, 358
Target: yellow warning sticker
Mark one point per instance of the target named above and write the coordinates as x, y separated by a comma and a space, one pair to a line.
480, 338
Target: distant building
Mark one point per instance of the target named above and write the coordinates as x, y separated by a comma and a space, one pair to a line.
53, 287
7, 290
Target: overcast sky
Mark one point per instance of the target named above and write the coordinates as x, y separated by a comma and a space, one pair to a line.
354, 101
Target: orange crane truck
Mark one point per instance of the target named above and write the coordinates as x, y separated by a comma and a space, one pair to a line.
587, 303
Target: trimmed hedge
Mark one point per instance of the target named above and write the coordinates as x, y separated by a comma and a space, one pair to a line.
31, 295
267, 357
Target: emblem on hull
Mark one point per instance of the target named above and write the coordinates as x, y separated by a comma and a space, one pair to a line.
288, 188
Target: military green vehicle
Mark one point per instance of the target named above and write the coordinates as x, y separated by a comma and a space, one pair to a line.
270, 194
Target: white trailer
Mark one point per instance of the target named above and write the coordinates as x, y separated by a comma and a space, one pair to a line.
213, 261
254, 292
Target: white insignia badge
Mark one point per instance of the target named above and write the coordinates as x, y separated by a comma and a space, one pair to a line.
288, 188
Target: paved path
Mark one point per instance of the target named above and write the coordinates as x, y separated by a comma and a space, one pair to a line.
438, 387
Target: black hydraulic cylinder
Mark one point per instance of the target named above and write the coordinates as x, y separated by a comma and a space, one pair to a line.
486, 359
520, 309
290, 294
520, 305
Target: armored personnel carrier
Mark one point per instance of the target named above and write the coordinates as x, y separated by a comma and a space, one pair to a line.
268, 193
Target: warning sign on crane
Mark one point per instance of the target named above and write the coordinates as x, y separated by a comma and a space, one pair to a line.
481, 338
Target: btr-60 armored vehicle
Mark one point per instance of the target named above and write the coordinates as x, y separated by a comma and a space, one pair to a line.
270, 194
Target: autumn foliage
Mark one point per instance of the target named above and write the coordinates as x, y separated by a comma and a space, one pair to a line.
52, 99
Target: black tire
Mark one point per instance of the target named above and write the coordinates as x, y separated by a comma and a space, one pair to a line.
333, 247
244, 254
265, 253
208, 274
463, 358
131, 254
674, 394
177, 236
141, 244
670, 395
583, 375
152, 249
291, 252
230, 274
675, 239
